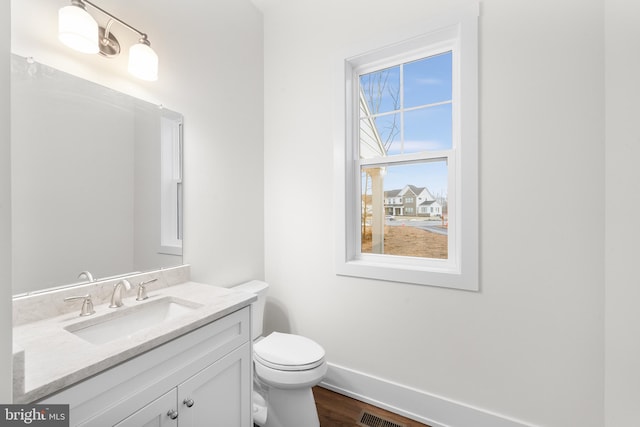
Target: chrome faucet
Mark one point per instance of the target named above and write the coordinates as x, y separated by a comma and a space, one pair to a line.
87, 304
86, 275
116, 296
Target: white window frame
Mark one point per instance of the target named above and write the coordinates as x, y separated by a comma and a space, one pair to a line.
457, 32
171, 183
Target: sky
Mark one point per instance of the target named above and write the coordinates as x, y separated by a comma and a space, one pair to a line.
412, 110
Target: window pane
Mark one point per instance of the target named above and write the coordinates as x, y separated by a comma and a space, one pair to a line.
379, 136
428, 129
404, 210
381, 91
427, 81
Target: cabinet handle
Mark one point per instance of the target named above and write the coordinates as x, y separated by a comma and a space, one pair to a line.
173, 414
188, 402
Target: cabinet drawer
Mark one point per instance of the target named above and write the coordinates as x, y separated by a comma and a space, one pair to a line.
115, 393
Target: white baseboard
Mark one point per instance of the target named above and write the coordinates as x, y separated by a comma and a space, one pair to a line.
414, 404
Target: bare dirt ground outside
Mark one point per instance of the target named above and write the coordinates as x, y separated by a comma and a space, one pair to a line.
410, 241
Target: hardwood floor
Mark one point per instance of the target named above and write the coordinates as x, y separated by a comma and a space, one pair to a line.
336, 410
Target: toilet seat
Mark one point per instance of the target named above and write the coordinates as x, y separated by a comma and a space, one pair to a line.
292, 379
288, 352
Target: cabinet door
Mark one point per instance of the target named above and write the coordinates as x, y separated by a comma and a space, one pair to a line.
219, 395
155, 414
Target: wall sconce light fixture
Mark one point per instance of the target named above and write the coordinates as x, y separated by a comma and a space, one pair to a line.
80, 31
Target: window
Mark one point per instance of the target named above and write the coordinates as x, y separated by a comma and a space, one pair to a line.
411, 133
170, 183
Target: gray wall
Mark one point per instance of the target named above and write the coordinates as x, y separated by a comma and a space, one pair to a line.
623, 204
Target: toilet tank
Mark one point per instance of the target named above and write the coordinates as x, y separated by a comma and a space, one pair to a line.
257, 307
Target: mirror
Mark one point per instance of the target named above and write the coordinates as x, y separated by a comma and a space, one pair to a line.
96, 180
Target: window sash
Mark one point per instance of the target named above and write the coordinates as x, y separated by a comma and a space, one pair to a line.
452, 264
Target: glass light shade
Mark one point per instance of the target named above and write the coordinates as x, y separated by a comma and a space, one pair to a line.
143, 62
77, 29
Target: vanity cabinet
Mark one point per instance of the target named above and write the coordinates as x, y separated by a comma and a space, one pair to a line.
201, 378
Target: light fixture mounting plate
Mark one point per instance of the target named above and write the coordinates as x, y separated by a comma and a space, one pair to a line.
109, 46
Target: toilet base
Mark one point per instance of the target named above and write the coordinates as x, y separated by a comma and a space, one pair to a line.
291, 408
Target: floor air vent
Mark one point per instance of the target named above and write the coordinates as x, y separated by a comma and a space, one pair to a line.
367, 419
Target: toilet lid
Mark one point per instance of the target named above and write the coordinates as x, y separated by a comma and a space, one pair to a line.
288, 352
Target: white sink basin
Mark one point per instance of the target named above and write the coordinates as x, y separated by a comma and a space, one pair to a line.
127, 320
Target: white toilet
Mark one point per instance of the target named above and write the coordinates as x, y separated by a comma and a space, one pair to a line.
286, 366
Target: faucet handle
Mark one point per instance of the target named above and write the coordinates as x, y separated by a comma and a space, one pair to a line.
142, 290
87, 304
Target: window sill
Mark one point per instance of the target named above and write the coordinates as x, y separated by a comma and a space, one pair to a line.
412, 274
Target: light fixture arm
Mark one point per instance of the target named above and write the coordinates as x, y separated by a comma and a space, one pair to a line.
142, 35
107, 28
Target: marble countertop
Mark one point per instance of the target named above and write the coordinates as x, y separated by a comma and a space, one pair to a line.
48, 358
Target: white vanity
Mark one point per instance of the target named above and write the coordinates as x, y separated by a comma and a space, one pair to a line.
185, 360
